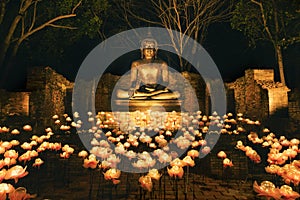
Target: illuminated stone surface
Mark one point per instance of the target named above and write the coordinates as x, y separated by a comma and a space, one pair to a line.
144, 105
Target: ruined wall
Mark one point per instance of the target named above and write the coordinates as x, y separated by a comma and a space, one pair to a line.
256, 99
257, 95
104, 92
48, 92
239, 94
294, 110
194, 92
278, 101
14, 103
294, 105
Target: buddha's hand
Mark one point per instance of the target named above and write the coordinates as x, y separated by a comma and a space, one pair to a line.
131, 92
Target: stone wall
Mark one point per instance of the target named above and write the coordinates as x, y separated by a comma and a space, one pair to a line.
255, 95
258, 96
238, 93
278, 101
294, 110
48, 92
260, 74
14, 103
294, 105
195, 93
104, 92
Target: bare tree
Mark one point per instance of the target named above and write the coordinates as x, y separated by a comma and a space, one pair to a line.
29, 29
189, 17
274, 21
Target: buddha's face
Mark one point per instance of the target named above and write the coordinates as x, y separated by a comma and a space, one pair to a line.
149, 53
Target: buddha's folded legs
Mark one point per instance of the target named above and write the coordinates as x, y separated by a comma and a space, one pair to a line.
168, 95
122, 94
160, 94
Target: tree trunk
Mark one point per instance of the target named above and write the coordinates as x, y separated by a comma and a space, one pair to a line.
2, 10
10, 61
15, 49
3, 50
5, 45
25, 4
280, 64
181, 64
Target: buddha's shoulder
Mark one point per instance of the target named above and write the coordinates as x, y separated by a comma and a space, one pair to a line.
160, 61
137, 62
140, 62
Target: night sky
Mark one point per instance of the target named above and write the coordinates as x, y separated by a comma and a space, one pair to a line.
230, 51
232, 55
228, 48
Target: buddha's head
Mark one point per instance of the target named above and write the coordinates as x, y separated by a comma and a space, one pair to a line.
148, 48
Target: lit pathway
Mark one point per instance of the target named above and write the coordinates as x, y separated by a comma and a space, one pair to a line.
76, 186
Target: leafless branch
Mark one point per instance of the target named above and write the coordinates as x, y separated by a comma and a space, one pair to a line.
61, 26
48, 23
130, 12
34, 16
77, 5
22, 26
263, 17
189, 17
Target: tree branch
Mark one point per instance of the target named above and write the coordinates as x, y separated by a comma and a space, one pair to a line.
188, 17
61, 26
34, 16
77, 5
142, 18
23, 25
262, 11
48, 23
2, 9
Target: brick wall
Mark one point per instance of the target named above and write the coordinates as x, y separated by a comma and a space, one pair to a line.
256, 101
294, 105
194, 92
255, 94
14, 103
104, 92
48, 92
294, 110
258, 74
258, 96
239, 94
278, 100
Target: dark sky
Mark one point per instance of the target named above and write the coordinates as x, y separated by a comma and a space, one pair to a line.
230, 51
228, 48
232, 54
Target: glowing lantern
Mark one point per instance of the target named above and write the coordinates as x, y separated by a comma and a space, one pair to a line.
15, 132
27, 128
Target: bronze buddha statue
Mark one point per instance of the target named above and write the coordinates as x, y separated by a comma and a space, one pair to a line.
149, 76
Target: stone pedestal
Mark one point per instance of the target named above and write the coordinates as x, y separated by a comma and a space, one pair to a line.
144, 105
